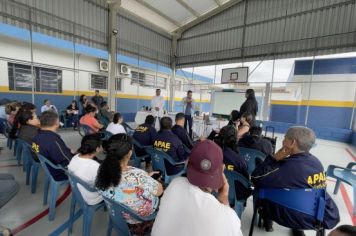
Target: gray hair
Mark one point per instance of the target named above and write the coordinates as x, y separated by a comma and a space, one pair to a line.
304, 137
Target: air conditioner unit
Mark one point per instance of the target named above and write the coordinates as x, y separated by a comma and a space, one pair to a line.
103, 65
125, 70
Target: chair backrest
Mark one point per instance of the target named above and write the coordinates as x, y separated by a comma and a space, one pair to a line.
107, 135
74, 181
251, 156
157, 158
129, 130
20, 144
116, 210
87, 129
231, 177
307, 201
44, 162
136, 143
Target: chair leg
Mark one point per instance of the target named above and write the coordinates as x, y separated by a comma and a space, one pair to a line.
52, 201
239, 208
109, 231
354, 189
45, 192
71, 215
253, 220
87, 219
337, 186
34, 171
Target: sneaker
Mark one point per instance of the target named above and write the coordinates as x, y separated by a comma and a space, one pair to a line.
298, 232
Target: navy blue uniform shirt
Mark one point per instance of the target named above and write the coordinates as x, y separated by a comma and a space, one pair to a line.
183, 135
145, 135
234, 162
301, 170
168, 142
51, 146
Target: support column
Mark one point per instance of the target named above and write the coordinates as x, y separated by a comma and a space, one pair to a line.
112, 35
173, 77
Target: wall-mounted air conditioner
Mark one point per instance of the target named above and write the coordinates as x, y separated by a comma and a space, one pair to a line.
103, 65
125, 70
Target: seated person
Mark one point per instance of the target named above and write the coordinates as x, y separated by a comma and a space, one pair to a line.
169, 143
127, 185
293, 166
85, 168
50, 145
179, 130
254, 140
115, 127
105, 116
243, 126
89, 119
234, 118
72, 113
29, 126
188, 206
26, 106
11, 109
48, 106
343, 230
145, 134
227, 140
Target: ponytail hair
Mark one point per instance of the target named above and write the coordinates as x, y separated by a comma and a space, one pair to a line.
109, 173
89, 144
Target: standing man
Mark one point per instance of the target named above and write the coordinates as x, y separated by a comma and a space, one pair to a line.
97, 99
157, 104
188, 111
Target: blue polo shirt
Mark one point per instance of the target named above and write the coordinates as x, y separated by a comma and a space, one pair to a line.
183, 135
169, 143
302, 170
144, 134
50, 145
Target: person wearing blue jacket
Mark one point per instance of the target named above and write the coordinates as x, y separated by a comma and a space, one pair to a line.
50, 145
294, 167
179, 130
169, 143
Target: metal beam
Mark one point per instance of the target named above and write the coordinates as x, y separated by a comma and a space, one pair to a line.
186, 6
208, 15
158, 12
217, 2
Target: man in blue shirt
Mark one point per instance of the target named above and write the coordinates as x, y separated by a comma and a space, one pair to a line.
179, 130
169, 143
294, 167
145, 134
188, 109
50, 145
254, 140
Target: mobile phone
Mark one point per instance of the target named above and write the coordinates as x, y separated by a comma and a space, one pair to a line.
157, 175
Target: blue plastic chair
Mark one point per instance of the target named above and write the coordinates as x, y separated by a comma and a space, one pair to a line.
118, 222
19, 147
53, 184
136, 160
88, 210
308, 201
7, 129
86, 130
129, 130
251, 156
231, 177
158, 158
31, 166
342, 174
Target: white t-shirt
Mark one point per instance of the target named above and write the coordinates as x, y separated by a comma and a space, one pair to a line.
157, 101
86, 169
187, 210
46, 108
116, 128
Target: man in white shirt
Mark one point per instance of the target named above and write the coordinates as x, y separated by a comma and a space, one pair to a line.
188, 206
48, 106
157, 104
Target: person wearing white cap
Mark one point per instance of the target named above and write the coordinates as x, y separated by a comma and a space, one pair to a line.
188, 206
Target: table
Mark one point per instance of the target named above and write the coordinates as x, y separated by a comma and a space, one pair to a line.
200, 127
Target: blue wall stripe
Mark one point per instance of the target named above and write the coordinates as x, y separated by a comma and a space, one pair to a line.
326, 66
24, 34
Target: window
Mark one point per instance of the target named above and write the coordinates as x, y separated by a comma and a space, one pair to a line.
118, 84
178, 85
148, 80
99, 82
192, 87
20, 78
161, 82
46, 80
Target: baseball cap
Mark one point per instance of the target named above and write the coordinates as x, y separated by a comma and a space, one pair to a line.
206, 165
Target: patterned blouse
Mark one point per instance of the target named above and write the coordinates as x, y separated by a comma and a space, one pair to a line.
136, 190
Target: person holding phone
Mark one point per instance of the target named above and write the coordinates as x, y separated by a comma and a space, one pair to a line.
189, 202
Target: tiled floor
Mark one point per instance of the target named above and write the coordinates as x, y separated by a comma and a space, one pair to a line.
25, 206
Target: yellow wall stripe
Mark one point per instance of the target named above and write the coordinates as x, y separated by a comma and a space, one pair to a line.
320, 103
